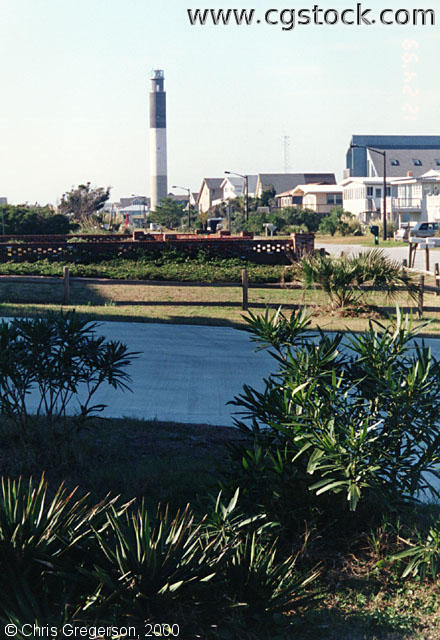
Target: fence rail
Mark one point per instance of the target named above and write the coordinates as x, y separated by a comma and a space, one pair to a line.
66, 280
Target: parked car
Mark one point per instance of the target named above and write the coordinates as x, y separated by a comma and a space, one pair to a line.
404, 231
425, 229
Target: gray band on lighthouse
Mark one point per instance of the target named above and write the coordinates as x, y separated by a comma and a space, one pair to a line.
158, 110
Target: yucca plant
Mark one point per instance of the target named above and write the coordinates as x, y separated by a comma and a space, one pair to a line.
423, 555
44, 544
343, 277
153, 567
255, 580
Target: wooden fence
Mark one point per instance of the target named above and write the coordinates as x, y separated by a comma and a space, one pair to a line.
245, 285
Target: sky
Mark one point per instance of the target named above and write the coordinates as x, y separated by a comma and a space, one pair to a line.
74, 83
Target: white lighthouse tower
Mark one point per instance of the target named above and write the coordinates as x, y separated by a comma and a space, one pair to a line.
158, 140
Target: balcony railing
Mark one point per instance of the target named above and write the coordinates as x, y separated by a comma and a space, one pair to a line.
404, 204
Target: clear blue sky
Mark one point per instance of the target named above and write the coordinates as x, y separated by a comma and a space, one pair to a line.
74, 84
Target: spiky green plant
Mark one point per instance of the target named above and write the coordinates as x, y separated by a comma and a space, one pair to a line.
423, 555
44, 544
343, 277
257, 581
155, 565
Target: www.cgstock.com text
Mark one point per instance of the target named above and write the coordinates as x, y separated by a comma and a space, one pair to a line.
288, 19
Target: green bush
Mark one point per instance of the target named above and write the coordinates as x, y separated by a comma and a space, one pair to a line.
33, 220
342, 277
356, 426
56, 355
44, 551
340, 221
64, 561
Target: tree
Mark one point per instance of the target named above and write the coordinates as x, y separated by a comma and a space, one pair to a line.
32, 220
168, 213
340, 221
84, 202
267, 196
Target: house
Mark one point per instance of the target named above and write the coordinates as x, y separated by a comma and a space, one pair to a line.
282, 182
233, 187
134, 215
418, 198
417, 154
316, 197
363, 197
210, 191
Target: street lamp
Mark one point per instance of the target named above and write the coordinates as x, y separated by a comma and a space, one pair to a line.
246, 192
384, 208
175, 186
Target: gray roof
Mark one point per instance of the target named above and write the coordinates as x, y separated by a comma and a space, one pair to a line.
397, 142
285, 181
213, 183
402, 161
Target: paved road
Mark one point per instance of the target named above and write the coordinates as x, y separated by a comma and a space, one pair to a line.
184, 373
398, 253
187, 373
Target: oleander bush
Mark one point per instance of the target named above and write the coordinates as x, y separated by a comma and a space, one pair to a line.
345, 428
60, 362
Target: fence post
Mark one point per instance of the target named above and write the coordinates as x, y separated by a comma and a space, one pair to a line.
426, 258
437, 278
421, 290
66, 285
244, 284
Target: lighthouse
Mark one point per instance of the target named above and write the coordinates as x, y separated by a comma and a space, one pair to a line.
158, 140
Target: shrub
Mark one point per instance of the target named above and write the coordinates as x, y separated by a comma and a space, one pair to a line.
60, 357
44, 549
340, 221
357, 423
33, 220
342, 277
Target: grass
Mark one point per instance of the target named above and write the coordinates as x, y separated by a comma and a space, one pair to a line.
178, 463
187, 304
366, 241
160, 461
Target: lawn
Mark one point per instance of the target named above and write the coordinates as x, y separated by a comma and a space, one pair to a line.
366, 241
188, 304
176, 464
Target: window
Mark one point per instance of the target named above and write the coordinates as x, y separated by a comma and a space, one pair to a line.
388, 191
417, 163
378, 193
395, 162
334, 198
369, 192
437, 162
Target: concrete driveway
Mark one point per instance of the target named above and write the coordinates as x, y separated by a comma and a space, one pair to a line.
187, 373
184, 373
397, 253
